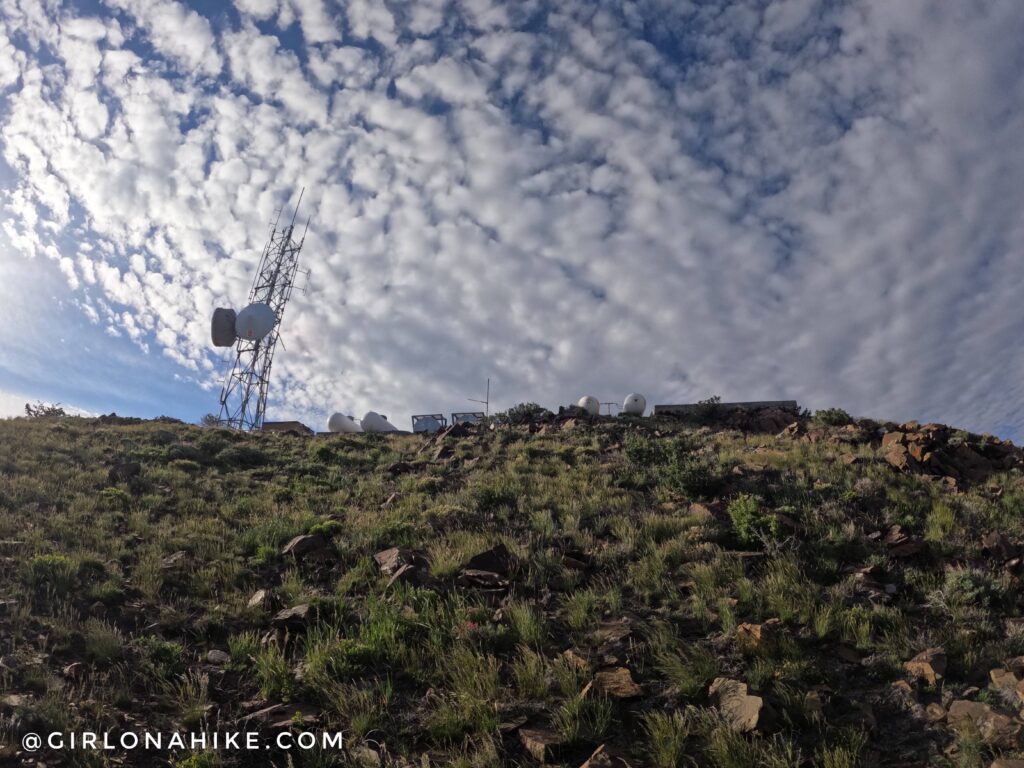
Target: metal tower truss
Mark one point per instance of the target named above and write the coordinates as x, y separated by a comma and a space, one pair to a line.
243, 400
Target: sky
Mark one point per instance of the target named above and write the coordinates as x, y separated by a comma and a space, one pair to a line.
782, 199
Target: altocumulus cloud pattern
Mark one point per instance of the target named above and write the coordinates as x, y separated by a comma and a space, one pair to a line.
818, 200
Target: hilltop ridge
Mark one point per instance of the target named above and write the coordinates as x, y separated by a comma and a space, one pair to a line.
745, 588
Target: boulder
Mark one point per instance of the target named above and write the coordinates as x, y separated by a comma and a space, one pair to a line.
259, 599
929, 665
741, 711
995, 728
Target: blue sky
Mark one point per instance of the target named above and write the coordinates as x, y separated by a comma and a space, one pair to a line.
783, 198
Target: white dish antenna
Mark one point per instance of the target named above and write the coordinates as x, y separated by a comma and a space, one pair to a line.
339, 422
634, 405
589, 404
374, 422
255, 322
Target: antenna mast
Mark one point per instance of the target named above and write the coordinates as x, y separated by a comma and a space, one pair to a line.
243, 400
486, 403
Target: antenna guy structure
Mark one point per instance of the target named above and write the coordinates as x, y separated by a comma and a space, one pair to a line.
254, 331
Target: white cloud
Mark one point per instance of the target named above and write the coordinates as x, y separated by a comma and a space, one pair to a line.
176, 31
822, 204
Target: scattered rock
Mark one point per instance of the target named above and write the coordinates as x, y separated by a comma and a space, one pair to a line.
1007, 762
407, 574
1002, 679
296, 616
613, 632
935, 712
485, 579
443, 453
281, 716
497, 559
259, 599
617, 682
218, 657
364, 756
304, 545
935, 450
576, 661
540, 743
391, 560
929, 665
512, 724
900, 544
12, 701
741, 710
998, 547
753, 635
603, 757
995, 728
177, 560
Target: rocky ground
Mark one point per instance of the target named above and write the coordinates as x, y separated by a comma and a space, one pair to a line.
754, 589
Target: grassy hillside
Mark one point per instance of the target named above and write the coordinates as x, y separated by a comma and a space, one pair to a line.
718, 595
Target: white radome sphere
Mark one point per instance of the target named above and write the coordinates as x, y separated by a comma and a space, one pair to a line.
634, 405
374, 422
589, 404
339, 422
255, 321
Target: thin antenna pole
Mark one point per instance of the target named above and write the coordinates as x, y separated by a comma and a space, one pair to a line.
296, 211
486, 403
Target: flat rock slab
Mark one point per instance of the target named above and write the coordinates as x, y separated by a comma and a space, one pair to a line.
617, 682
540, 743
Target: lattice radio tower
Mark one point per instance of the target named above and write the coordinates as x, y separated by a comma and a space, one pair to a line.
243, 400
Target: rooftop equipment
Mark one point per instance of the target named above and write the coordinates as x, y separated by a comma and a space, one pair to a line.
429, 422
